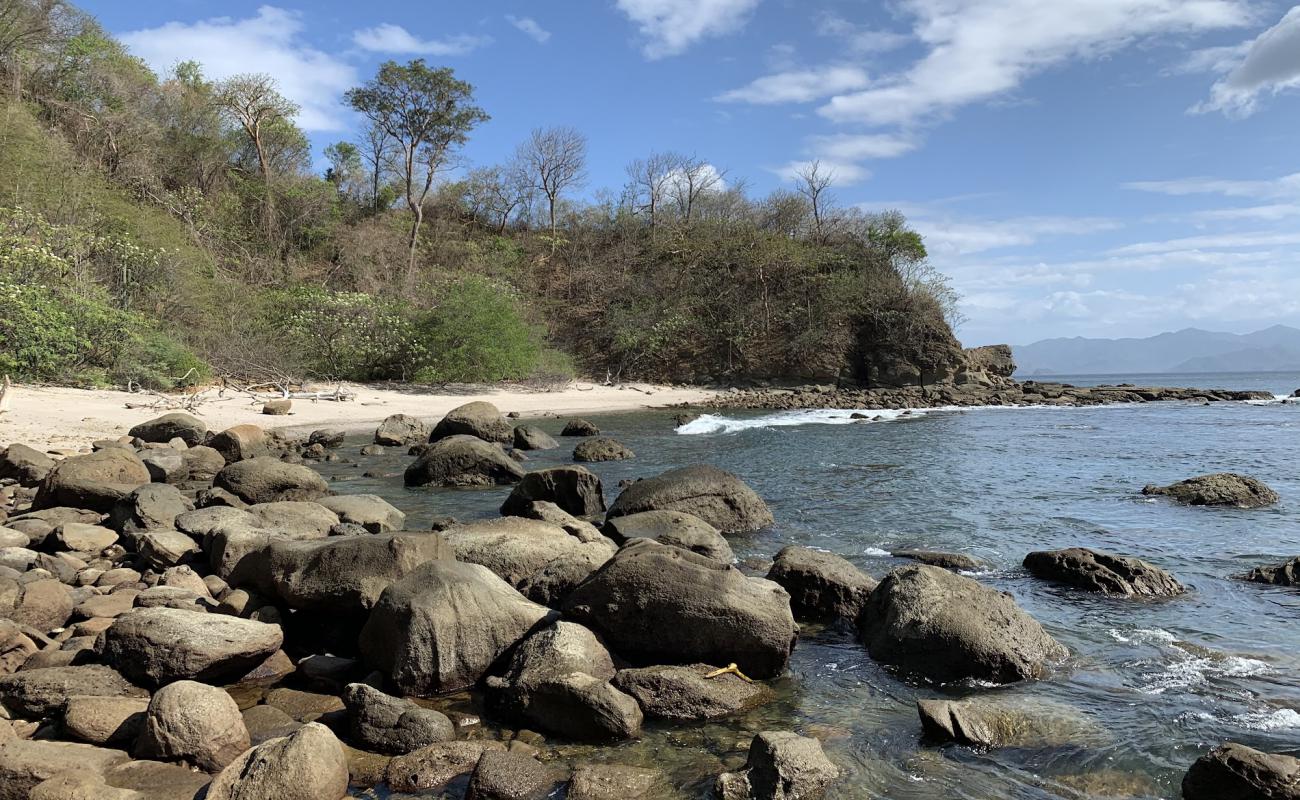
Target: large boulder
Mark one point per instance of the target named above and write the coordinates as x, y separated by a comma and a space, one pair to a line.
463, 461
781, 766
152, 507
1096, 571
433, 767
95, 481
947, 627
104, 720
575, 489
195, 723
715, 496
685, 694
479, 418
308, 764
682, 530
24, 464
516, 548
558, 681
822, 586
393, 725
580, 427
297, 519
24, 765
442, 627
1236, 772
37, 693
266, 480
155, 646
1219, 489
602, 448
370, 511
346, 573
511, 776
656, 604
531, 437
1285, 574
241, 442
401, 429
44, 604
176, 425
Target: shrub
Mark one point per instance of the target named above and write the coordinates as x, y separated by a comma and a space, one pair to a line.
349, 335
476, 333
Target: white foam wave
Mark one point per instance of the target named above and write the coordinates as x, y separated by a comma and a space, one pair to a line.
876, 551
1144, 635
717, 423
1277, 720
1193, 671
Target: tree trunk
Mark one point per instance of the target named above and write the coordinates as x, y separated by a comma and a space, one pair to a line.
417, 210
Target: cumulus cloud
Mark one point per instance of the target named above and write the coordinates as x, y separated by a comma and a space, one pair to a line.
271, 41
860, 40
797, 86
672, 26
529, 26
1270, 65
842, 173
1283, 187
967, 236
394, 39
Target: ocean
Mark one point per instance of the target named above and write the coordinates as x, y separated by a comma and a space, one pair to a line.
1149, 686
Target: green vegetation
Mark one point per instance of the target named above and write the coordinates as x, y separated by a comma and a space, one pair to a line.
163, 231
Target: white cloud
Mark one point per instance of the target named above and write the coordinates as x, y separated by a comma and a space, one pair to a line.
1271, 65
963, 237
1220, 241
860, 40
842, 173
798, 86
389, 38
862, 146
269, 42
981, 49
671, 26
530, 27
1283, 187
1267, 213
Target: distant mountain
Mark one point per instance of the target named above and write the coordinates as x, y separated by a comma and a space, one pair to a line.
1189, 350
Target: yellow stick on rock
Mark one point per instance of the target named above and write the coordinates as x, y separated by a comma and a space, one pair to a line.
730, 669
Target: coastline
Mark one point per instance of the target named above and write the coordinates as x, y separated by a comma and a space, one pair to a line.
54, 418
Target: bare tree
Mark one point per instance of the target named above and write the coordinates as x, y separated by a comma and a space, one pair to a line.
691, 179
649, 180
497, 193
555, 160
377, 152
813, 182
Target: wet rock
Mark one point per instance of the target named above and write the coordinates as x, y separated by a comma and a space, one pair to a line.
579, 427
602, 448
346, 573
531, 437
672, 527
267, 480
1102, 572
1219, 489
656, 604
241, 442
684, 694
1239, 772
37, 693
371, 511
195, 723
949, 721
1285, 574
393, 725
24, 464
479, 419
957, 562
574, 489
401, 429
612, 782
463, 461
104, 720
822, 586
510, 776
95, 481
516, 548
308, 764
156, 646
717, 497
433, 767
176, 425
947, 627
781, 766
443, 626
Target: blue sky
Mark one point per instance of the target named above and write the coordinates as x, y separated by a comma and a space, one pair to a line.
1078, 167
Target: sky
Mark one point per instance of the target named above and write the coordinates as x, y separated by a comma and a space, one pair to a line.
1077, 167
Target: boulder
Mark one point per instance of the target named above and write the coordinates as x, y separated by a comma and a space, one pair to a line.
656, 604
957, 562
546, 511
433, 767
37, 693
602, 448
717, 497
241, 442
195, 723
95, 481
308, 764
43, 604
205, 521
1236, 772
781, 766
370, 511
684, 694
442, 627
1096, 571
531, 437
574, 489
104, 720
12, 538
348, 573
962, 723
267, 480
278, 407
166, 466
393, 725
329, 438
947, 627
823, 586
510, 776
296, 519
612, 782
551, 584
479, 418
24, 464
202, 463
579, 427
463, 461
152, 507
15, 646
401, 429
1220, 489
1285, 574
155, 646
163, 549
516, 548
26, 764
176, 425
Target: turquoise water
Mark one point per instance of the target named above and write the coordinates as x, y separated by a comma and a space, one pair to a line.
1150, 685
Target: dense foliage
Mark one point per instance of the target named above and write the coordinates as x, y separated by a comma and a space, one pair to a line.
152, 225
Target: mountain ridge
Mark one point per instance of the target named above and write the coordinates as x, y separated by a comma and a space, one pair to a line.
1275, 348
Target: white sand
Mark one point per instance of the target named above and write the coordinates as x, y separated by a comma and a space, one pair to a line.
55, 418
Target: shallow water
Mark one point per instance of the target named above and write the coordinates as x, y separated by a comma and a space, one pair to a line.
1149, 686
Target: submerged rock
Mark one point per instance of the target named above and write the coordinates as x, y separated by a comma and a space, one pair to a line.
1285, 574
479, 418
957, 562
574, 489
1236, 772
715, 496
511, 776
531, 437
781, 766
684, 694
1219, 489
401, 429
602, 448
822, 586
433, 767
1096, 571
463, 461
393, 725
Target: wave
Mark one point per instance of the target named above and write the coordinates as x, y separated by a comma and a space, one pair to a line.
717, 423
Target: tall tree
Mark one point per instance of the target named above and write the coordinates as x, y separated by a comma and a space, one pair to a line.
691, 179
556, 160
813, 182
650, 179
426, 113
254, 101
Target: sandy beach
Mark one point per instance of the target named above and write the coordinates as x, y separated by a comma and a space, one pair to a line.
58, 418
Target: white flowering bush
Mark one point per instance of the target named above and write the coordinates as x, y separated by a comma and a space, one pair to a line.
350, 335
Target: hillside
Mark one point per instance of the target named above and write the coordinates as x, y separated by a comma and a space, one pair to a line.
1186, 351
